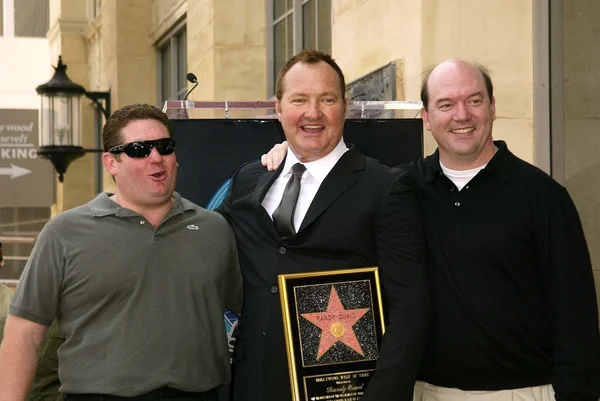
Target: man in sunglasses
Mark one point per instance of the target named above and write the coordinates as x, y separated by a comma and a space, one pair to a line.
138, 280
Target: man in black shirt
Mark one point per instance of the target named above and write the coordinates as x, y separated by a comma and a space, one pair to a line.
510, 269
515, 304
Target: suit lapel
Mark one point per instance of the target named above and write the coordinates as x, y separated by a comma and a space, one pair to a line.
341, 178
263, 184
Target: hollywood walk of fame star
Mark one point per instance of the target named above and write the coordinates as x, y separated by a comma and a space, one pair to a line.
336, 324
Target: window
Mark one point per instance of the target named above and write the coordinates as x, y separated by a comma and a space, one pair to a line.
297, 25
19, 226
93, 9
172, 66
32, 18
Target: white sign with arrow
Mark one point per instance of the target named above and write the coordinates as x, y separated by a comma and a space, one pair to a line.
14, 171
25, 179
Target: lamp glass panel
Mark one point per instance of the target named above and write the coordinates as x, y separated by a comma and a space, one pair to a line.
76, 131
66, 119
45, 122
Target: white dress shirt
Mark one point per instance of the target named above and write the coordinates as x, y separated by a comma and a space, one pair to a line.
315, 174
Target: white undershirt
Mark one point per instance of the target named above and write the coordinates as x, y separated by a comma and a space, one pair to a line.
315, 174
460, 178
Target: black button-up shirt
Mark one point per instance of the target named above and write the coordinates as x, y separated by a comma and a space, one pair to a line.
512, 283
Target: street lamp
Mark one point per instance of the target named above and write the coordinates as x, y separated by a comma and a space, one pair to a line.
60, 121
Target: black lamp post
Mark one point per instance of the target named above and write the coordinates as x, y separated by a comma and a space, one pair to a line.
60, 121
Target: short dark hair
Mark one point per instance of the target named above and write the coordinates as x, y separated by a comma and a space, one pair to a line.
308, 57
485, 73
111, 133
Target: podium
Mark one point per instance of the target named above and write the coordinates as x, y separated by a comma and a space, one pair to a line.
214, 138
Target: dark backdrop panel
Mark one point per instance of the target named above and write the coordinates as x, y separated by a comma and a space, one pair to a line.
208, 151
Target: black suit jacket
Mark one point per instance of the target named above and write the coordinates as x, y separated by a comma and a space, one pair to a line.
350, 223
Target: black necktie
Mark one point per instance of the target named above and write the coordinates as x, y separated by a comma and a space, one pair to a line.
283, 217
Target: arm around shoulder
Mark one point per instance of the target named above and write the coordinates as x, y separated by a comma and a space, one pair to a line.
224, 208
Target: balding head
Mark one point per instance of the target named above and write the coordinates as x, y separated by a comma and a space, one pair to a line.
459, 110
451, 67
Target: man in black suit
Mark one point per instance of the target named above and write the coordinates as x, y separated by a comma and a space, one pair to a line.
513, 292
349, 211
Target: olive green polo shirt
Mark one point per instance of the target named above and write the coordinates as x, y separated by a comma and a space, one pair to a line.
141, 307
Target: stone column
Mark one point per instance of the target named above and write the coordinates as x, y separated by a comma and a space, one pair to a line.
68, 23
226, 49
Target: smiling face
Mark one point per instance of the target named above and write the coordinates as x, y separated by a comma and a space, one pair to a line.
311, 110
460, 115
145, 182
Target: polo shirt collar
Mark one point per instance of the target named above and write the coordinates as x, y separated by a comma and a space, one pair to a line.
433, 167
102, 206
499, 166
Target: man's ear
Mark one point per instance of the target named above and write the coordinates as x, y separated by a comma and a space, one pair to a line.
278, 109
425, 117
110, 163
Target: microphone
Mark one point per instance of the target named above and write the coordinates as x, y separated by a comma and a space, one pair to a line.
192, 78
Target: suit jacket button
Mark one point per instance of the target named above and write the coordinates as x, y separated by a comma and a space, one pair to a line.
274, 289
282, 250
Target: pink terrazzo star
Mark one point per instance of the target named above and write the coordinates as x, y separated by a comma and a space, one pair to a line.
336, 324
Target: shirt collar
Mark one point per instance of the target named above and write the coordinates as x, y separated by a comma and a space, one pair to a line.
499, 166
102, 206
318, 168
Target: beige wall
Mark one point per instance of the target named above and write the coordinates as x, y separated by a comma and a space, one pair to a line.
166, 12
122, 58
226, 49
370, 33
29, 67
201, 43
582, 116
134, 53
240, 53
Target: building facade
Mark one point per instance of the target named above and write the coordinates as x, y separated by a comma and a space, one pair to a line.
541, 55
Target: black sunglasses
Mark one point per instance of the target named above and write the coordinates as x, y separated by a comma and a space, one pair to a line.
141, 149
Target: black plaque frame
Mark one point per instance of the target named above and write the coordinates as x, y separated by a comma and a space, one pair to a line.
341, 381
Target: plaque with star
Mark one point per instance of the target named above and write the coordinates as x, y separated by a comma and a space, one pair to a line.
333, 324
